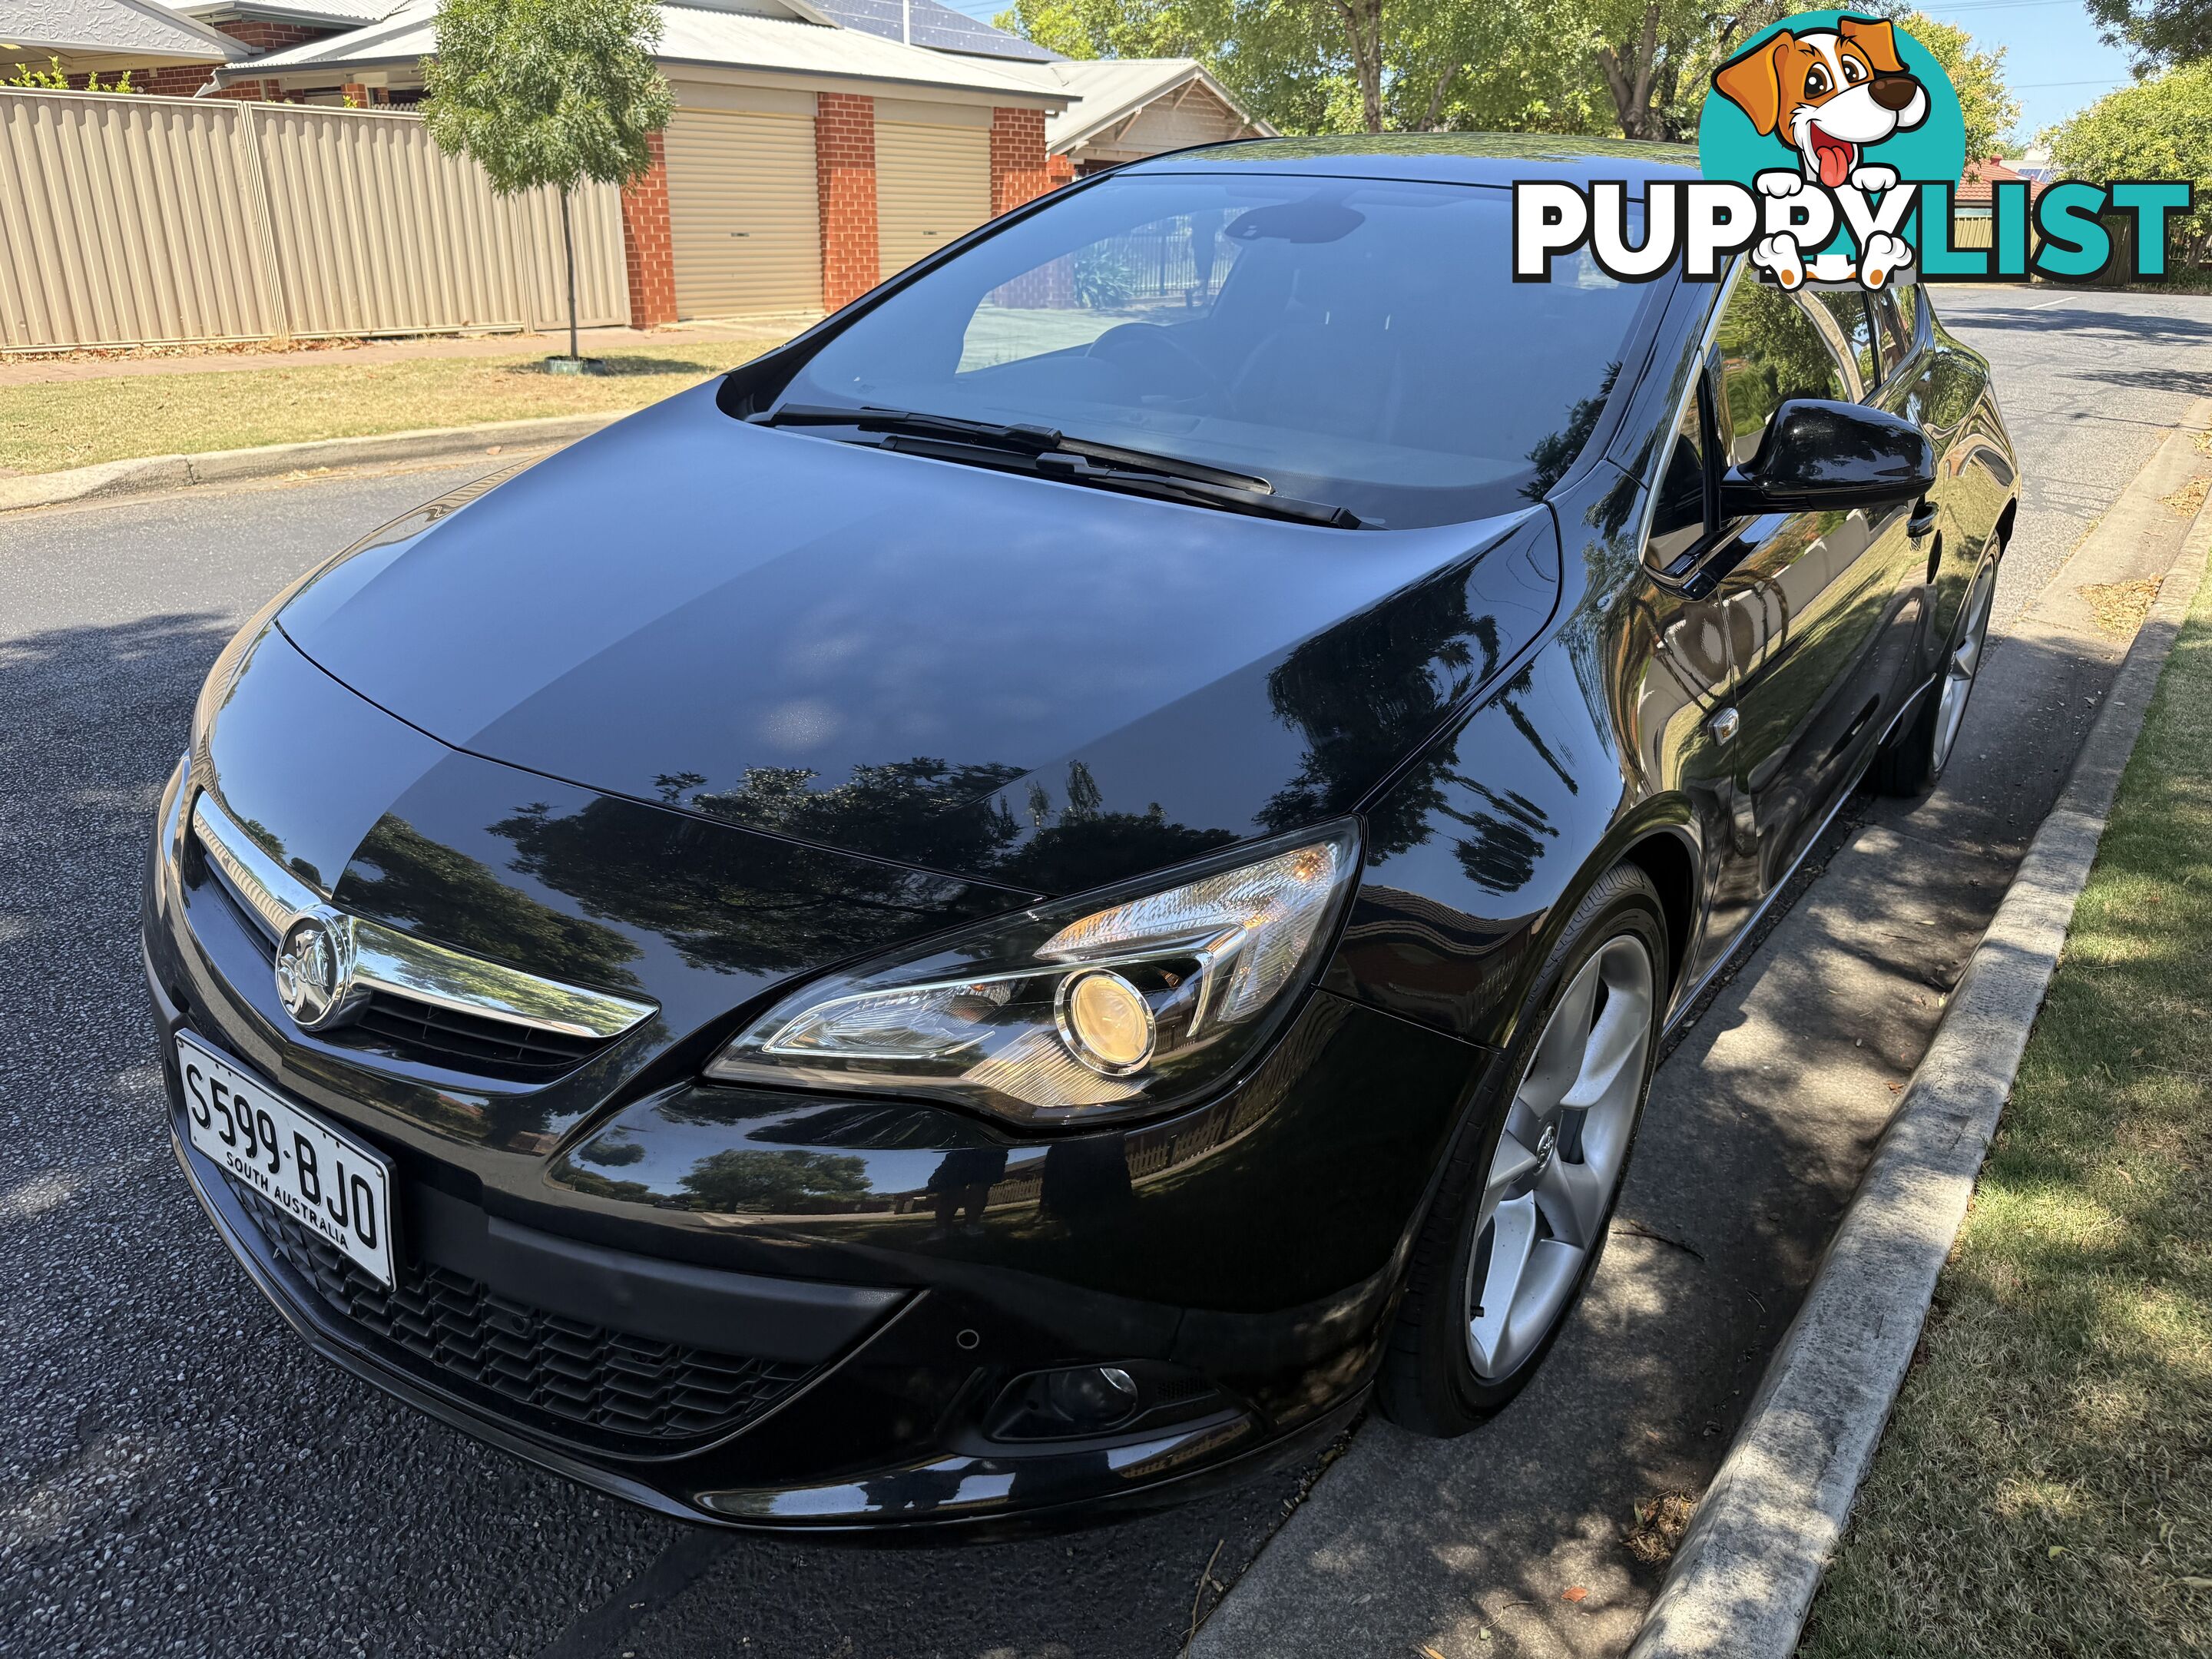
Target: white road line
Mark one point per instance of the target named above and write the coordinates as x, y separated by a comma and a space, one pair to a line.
2047, 304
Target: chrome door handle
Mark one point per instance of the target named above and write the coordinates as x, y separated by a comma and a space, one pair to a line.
1723, 725
1922, 521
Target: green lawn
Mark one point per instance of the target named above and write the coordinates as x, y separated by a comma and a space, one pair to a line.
2045, 1484
63, 423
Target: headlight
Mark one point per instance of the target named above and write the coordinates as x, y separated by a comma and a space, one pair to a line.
1119, 1002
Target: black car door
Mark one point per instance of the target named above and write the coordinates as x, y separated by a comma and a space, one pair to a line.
1822, 609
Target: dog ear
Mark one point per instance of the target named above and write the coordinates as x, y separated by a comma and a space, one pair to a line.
1877, 41
1752, 83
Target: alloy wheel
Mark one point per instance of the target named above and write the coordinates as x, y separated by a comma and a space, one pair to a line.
1564, 1147
1965, 663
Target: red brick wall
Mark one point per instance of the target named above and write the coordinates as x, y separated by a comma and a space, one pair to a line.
1059, 170
162, 80
845, 176
1018, 168
263, 36
648, 248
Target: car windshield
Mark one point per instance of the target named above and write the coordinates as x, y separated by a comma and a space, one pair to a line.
1358, 342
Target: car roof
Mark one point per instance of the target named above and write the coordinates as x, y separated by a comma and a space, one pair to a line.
1467, 158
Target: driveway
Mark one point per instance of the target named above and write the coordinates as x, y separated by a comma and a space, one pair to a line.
177, 1475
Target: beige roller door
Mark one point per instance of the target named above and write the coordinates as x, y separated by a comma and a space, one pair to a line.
742, 213
933, 184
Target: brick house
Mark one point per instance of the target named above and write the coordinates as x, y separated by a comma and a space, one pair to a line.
813, 151
1972, 205
170, 50
161, 50
1132, 107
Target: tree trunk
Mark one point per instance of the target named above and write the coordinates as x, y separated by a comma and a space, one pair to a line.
568, 248
1362, 29
1629, 84
1436, 98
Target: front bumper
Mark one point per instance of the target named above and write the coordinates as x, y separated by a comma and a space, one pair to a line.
892, 1344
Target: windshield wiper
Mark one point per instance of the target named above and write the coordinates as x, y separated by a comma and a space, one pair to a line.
1049, 452
1178, 480
1022, 440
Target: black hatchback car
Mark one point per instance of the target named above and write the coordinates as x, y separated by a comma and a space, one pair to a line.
1023, 903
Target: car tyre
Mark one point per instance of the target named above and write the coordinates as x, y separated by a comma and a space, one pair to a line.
1915, 759
1521, 1216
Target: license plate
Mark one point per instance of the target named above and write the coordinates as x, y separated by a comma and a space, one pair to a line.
320, 1176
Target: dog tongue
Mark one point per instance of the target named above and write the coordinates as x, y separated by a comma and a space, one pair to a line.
1835, 160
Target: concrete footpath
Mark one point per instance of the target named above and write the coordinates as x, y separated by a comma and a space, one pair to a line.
154, 474
1513, 1541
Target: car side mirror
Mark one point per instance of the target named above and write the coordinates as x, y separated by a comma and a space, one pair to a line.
1817, 456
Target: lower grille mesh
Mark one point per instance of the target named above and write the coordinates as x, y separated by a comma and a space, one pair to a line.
630, 1387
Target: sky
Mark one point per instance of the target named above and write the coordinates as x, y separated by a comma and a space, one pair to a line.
2053, 58
2054, 61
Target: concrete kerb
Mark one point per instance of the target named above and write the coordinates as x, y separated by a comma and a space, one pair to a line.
160, 472
1746, 1573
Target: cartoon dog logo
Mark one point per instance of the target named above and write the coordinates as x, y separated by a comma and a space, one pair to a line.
1831, 95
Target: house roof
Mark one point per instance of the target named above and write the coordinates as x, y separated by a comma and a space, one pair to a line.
137, 27
345, 14
928, 23
1974, 184
690, 35
1113, 88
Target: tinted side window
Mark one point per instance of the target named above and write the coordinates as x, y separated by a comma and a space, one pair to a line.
1894, 323
1770, 350
1910, 303
1849, 312
1677, 517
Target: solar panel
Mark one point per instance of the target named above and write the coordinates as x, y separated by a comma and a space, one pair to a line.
935, 26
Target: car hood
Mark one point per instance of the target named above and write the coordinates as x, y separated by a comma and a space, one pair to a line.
959, 669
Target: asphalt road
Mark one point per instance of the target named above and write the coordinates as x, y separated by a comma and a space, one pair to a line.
2090, 382
177, 1475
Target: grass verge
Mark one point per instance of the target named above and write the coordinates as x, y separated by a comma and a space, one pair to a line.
51, 425
2045, 1485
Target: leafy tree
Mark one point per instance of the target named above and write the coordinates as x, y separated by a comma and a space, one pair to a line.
55, 78
1986, 102
2159, 34
548, 93
1316, 66
1656, 57
2157, 129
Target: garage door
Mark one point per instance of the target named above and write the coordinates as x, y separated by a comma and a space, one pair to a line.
742, 213
932, 184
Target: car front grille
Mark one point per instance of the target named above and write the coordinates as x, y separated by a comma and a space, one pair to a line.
523, 1362
466, 1042
407, 1028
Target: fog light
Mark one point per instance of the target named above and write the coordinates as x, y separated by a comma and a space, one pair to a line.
1092, 1396
1107, 1022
